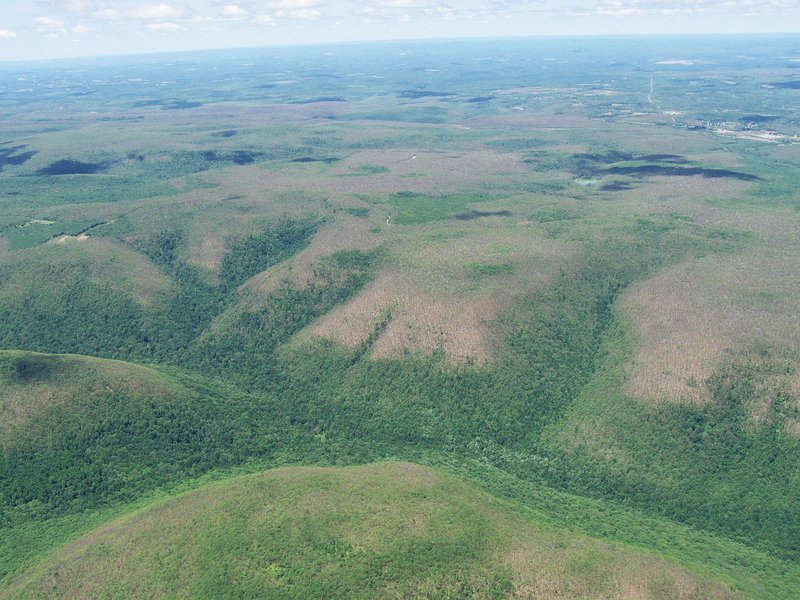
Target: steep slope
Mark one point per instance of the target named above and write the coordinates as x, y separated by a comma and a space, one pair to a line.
79, 432
385, 530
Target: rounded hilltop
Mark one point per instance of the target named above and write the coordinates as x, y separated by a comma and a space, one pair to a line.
385, 530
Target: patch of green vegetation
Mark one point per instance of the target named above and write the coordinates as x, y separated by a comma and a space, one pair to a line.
247, 350
36, 232
551, 215
367, 169
512, 144
119, 228
258, 252
41, 192
357, 211
542, 188
481, 269
413, 209
87, 432
544, 161
76, 315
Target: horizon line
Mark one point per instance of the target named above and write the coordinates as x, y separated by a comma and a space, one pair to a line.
307, 44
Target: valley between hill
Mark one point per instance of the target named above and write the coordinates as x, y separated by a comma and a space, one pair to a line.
509, 330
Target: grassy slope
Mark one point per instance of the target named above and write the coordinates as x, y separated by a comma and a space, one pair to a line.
384, 530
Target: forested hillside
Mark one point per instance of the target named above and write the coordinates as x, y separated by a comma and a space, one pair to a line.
485, 339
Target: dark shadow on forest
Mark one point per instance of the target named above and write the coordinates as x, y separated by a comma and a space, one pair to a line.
475, 214
418, 94
676, 171
224, 134
13, 156
328, 160
72, 167
168, 103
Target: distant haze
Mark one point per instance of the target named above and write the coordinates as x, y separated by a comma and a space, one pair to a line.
65, 28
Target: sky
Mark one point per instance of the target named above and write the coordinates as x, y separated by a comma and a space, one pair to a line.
42, 29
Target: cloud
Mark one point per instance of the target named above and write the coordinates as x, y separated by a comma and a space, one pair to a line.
107, 14
388, 6
616, 8
309, 14
48, 23
96, 8
80, 29
234, 10
404, 3
49, 26
266, 12
624, 8
5, 34
406, 9
154, 12
71, 6
274, 7
284, 4
163, 27
83, 6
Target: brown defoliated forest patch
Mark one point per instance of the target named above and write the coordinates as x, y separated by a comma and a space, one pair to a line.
418, 321
664, 191
542, 575
344, 233
691, 317
422, 171
208, 252
442, 293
